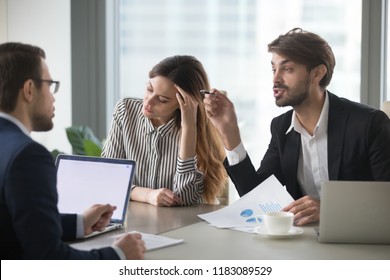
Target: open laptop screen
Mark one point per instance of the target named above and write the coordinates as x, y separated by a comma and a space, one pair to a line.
83, 181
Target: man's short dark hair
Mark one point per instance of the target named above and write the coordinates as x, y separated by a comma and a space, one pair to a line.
18, 63
305, 48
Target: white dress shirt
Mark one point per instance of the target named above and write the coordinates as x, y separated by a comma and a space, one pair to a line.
313, 156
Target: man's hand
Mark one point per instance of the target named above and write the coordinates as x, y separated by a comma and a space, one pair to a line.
97, 217
306, 210
221, 113
132, 246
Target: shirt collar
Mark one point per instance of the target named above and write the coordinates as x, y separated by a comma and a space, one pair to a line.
162, 129
322, 123
16, 122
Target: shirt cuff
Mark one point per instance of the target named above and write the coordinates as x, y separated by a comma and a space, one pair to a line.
80, 226
187, 165
236, 155
119, 251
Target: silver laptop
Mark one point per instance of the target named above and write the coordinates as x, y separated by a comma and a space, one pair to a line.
355, 212
83, 181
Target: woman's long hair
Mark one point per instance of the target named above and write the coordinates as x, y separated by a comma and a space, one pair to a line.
188, 73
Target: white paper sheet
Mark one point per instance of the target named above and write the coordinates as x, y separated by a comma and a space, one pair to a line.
269, 196
152, 241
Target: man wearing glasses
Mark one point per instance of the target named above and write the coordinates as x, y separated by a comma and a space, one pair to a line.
53, 85
31, 227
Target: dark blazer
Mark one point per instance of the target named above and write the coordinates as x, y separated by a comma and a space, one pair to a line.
358, 149
31, 227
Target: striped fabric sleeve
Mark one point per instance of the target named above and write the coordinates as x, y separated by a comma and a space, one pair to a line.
188, 181
113, 146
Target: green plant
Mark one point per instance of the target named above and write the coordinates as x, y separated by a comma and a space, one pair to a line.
55, 153
83, 141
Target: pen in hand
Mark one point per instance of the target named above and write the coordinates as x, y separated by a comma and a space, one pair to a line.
205, 91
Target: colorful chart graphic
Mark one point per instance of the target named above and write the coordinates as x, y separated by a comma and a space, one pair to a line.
270, 207
265, 207
248, 213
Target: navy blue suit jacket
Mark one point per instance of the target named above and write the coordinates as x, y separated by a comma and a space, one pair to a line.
31, 227
358, 149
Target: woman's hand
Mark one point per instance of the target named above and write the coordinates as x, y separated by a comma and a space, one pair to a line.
156, 197
163, 197
188, 108
189, 111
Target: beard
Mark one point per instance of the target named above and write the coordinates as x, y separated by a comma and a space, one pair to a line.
293, 97
293, 100
42, 123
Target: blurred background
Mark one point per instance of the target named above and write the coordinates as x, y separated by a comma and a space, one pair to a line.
102, 50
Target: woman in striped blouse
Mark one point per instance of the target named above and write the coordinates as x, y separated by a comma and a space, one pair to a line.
177, 150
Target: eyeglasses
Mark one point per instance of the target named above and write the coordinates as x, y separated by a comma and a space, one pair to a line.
53, 85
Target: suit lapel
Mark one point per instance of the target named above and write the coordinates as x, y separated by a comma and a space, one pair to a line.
291, 155
337, 122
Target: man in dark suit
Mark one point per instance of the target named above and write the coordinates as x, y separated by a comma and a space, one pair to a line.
31, 227
323, 138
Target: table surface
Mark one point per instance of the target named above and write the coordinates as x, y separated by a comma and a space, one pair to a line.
202, 241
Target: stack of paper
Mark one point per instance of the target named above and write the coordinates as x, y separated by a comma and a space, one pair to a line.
245, 213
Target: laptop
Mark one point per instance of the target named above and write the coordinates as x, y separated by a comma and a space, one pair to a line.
83, 181
355, 212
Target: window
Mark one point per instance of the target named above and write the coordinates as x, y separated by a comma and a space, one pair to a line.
387, 91
230, 38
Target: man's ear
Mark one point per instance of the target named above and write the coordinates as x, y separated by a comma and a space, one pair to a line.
319, 72
28, 90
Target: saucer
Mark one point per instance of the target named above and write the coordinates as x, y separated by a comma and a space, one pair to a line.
294, 231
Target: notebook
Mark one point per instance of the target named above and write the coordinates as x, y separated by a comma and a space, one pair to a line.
83, 181
355, 212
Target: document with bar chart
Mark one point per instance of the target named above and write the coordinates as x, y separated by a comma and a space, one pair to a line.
269, 196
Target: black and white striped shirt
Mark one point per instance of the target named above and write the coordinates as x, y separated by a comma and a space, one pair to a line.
155, 151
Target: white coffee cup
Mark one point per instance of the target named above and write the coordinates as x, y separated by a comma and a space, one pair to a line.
278, 222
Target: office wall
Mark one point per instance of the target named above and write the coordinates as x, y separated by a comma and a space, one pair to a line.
88, 36
46, 23
3, 21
